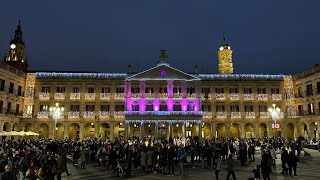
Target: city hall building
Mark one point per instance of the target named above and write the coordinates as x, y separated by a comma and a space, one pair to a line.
159, 102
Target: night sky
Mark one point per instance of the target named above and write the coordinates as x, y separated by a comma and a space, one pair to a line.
269, 37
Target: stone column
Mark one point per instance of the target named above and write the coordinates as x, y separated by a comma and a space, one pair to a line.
51, 130
171, 130
111, 124
200, 130
270, 130
256, 130
183, 128
156, 133
296, 131
227, 130
242, 131
66, 130
141, 130
81, 131
213, 130
96, 130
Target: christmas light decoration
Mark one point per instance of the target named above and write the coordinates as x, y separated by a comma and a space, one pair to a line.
119, 114
59, 96
235, 114
289, 97
220, 96
240, 77
250, 115
49, 75
75, 96
262, 97
248, 97
29, 95
135, 122
276, 97
105, 96
206, 114
149, 95
221, 114
89, 114
44, 96
135, 95
264, 115
43, 115
89, 96
119, 96
73, 114
163, 95
177, 96
205, 96
234, 96
104, 114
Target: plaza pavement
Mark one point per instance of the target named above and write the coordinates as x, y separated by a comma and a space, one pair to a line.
308, 169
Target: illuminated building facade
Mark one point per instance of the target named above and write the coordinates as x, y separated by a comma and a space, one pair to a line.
161, 101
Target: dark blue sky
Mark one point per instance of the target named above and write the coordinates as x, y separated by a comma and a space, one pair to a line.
78, 35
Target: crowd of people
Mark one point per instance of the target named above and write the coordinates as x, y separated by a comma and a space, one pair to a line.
46, 159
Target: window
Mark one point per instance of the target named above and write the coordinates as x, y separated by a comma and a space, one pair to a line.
17, 108
309, 90
275, 91
318, 87
90, 90
135, 107
163, 90
191, 90
105, 90
263, 108
75, 108
61, 89
135, 90
19, 91
9, 107
262, 91
119, 108
300, 110
149, 90
206, 108
163, 107
89, 107
76, 90
177, 107
310, 108
46, 89
11, 88
300, 94
219, 90
29, 109
247, 90
234, 108
2, 83
149, 107
119, 90
177, 90
105, 107
44, 107
205, 91
248, 108
234, 90
190, 107
220, 108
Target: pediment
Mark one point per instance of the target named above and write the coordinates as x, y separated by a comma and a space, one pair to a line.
163, 72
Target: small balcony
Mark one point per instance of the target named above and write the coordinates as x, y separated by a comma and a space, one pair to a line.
276, 97
262, 97
119, 114
192, 96
105, 96
207, 114
205, 97
59, 96
163, 95
234, 96
135, 96
75, 96
119, 96
44, 96
73, 114
222, 114
235, 115
149, 95
250, 115
264, 115
90, 96
89, 114
43, 115
104, 114
248, 97
220, 96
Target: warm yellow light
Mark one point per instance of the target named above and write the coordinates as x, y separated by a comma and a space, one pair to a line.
273, 105
57, 104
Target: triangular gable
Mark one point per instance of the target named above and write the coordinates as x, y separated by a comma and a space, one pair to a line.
163, 72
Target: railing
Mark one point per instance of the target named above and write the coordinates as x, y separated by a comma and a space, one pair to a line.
105, 96
104, 114
89, 114
235, 115
149, 95
73, 114
206, 114
44, 96
89, 96
163, 95
220, 96
262, 97
59, 96
205, 96
162, 113
234, 96
248, 97
75, 96
222, 114
250, 115
43, 115
264, 115
135, 95
276, 97
191, 96
119, 114
119, 96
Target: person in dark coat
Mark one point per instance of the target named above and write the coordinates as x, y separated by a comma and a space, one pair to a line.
292, 163
8, 174
171, 156
265, 165
284, 157
230, 167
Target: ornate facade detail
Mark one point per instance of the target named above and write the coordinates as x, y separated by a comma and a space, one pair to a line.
289, 97
276, 97
205, 96
59, 96
105, 96
163, 95
73, 114
220, 96
75, 96
44, 96
104, 114
90, 96
234, 96
235, 114
29, 95
262, 97
206, 114
43, 115
149, 95
248, 97
191, 96
135, 95
264, 115
89, 114
250, 115
222, 114
119, 96
119, 114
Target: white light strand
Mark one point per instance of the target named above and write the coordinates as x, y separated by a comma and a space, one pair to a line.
240, 77
161, 121
81, 75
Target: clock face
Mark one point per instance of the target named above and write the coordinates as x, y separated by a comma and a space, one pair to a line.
12, 46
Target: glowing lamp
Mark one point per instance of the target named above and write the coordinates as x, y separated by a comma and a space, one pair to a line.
12, 46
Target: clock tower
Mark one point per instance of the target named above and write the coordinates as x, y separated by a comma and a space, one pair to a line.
16, 51
225, 58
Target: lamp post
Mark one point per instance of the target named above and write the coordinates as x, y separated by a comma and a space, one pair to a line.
55, 112
275, 113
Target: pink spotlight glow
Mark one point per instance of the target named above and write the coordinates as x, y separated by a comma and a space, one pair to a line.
184, 104
129, 104
142, 104
156, 104
170, 104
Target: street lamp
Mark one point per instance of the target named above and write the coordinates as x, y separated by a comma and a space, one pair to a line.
275, 113
56, 112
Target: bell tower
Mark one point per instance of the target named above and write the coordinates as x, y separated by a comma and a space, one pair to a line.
225, 58
16, 57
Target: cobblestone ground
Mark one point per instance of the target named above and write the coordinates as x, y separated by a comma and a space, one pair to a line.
308, 169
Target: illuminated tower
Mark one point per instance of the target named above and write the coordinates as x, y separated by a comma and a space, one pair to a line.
16, 51
225, 58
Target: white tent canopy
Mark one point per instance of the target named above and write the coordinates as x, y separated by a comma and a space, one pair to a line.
21, 133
